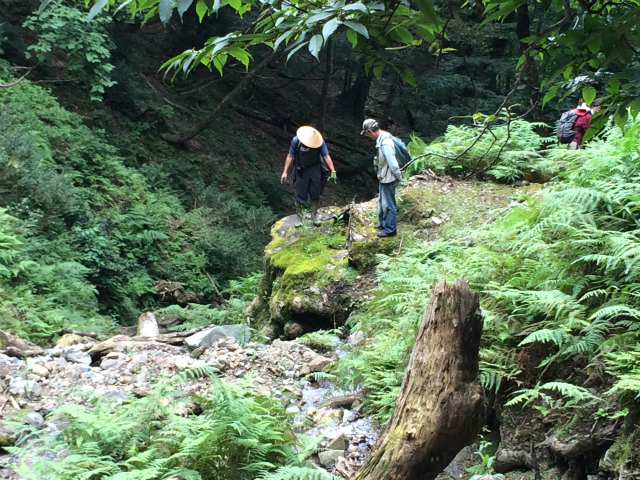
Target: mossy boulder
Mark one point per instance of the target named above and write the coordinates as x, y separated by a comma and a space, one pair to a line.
308, 273
306, 278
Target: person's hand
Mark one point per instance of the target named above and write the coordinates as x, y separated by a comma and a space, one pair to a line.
333, 177
283, 177
403, 183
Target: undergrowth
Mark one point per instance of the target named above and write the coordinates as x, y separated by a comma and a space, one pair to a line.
230, 434
559, 285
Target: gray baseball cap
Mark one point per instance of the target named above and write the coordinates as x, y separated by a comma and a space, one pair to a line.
369, 124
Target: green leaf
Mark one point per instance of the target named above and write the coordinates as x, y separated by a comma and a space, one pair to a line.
377, 72
401, 34
357, 27
620, 118
43, 5
329, 28
281, 39
183, 6
352, 36
315, 44
356, 6
318, 17
235, 4
241, 55
165, 9
295, 50
429, 12
588, 95
201, 9
407, 76
635, 108
550, 94
219, 62
96, 9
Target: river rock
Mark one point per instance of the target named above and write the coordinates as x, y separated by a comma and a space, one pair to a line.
341, 442
318, 363
206, 337
18, 347
328, 457
39, 370
77, 356
342, 401
34, 419
69, 339
148, 325
7, 436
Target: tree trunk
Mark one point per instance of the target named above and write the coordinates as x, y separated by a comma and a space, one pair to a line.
388, 103
212, 116
532, 79
440, 408
325, 85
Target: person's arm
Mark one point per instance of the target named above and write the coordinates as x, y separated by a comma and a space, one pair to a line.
287, 165
329, 162
389, 152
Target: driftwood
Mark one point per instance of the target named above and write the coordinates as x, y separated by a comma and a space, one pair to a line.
440, 408
14, 346
66, 331
98, 350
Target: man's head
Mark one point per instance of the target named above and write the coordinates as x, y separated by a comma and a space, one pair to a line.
597, 104
370, 128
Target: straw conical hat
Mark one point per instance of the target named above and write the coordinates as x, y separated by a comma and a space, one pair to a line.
309, 136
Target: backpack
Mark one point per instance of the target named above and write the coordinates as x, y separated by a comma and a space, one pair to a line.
402, 152
565, 131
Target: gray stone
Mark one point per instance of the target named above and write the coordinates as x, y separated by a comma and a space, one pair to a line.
182, 362
329, 457
208, 336
34, 419
17, 386
304, 370
32, 388
318, 363
115, 395
341, 442
140, 358
77, 356
197, 352
112, 363
356, 338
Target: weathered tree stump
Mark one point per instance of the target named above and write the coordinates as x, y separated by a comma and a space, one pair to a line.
148, 325
440, 408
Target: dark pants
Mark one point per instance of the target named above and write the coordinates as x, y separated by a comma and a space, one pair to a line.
309, 182
387, 209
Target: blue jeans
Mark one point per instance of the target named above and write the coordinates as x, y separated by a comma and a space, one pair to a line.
387, 209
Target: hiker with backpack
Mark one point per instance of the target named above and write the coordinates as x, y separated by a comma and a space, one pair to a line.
573, 124
312, 165
389, 176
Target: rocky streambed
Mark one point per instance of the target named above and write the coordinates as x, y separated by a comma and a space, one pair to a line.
33, 387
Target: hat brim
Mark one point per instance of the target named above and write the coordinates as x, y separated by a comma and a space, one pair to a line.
310, 137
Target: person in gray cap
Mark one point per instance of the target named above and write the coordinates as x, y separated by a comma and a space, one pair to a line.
389, 175
310, 157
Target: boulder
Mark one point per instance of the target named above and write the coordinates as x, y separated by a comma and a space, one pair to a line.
39, 370
7, 436
206, 337
328, 458
34, 419
319, 363
341, 442
148, 325
77, 356
343, 401
18, 347
70, 339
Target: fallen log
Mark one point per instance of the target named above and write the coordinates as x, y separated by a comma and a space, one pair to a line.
98, 350
66, 331
440, 408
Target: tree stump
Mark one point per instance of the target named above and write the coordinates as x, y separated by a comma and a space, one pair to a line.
148, 325
440, 408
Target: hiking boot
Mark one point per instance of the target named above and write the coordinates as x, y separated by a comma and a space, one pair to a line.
384, 234
299, 216
378, 226
314, 214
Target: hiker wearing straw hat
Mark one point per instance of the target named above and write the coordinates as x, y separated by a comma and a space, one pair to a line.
310, 157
